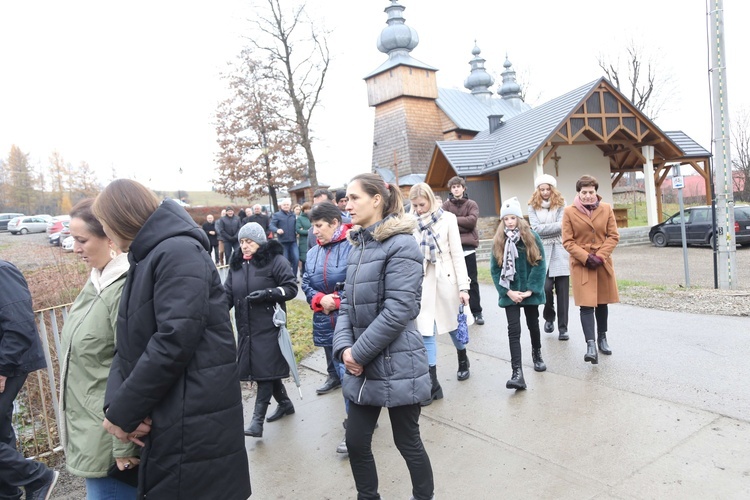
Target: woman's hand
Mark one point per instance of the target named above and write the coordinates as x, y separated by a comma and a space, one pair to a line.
125, 463
328, 303
352, 366
140, 431
516, 296
463, 297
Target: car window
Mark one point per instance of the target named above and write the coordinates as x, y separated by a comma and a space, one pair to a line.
699, 216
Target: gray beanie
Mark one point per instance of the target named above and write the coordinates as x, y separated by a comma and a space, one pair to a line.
511, 207
252, 231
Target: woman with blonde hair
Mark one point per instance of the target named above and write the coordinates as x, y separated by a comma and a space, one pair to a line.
376, 335
546, 208
518, 270
175, 360
446, 282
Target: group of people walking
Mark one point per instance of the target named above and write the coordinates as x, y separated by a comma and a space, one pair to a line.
150, 365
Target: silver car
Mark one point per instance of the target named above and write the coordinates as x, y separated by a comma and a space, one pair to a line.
27, 224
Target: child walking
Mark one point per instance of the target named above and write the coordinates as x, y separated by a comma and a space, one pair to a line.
519, 271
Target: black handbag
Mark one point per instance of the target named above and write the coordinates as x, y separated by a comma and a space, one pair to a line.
127, 476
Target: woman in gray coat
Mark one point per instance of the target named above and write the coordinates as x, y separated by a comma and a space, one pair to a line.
376, 336
546, 208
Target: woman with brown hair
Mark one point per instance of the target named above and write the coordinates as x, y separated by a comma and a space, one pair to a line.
175, 361
589, 234
376, 334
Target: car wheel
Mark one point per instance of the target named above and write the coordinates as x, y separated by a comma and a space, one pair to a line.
659, 239
24, 231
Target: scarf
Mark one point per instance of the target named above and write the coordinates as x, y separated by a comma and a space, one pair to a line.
429, 241
510, 254
115, 268
586, 210
546, 204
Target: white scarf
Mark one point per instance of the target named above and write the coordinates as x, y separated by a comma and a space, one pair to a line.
111, 272
510, 254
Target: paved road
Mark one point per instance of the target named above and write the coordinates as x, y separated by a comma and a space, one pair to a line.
666, 416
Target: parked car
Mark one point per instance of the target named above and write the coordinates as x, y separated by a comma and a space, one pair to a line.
27, 224
699, 227
58, 237
5, 218
56, 224
67, 244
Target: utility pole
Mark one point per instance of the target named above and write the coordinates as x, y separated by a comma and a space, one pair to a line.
724, 238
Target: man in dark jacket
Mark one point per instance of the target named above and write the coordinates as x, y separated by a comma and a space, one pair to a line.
228, 227
210, 229
283, 225
259, 217
20, 354
467, 213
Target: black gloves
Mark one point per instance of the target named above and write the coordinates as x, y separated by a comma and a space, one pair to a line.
259, 296
594, 261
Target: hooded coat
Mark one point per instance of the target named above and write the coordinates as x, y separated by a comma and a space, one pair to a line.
377, 316
175, 362
258, 353
325, 267
598, 234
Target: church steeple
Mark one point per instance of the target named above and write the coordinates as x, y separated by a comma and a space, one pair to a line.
510, 89
478, 80
397, 38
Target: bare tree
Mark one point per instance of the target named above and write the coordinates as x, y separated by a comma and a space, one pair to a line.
299, 59
21, 195
60, 174
741, 154
83, 182
639, 79
259, 150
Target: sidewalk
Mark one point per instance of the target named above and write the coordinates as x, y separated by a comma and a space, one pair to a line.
666, 416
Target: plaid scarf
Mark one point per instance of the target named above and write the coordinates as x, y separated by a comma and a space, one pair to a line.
510, 254
429, 241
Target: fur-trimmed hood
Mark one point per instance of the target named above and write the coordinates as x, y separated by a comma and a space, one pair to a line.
384, 229
262, 257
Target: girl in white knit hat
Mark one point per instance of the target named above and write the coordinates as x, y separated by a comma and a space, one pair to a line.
546, 208
518, 271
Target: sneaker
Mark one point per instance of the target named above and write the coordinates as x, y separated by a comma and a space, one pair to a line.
341, 448
478, 319
42, 488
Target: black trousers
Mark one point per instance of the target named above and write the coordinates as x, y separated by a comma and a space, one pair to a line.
513, 315
601, 312
230, 248
561, 286
471, 270
405, 423
15, 470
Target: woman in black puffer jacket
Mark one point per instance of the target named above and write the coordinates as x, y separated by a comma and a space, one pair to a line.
259, 278
376, 335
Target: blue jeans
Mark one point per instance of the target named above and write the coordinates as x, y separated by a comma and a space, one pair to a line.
291, 252
430, 343
107, 488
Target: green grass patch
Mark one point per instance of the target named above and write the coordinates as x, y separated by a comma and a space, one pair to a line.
483, 273
299, 322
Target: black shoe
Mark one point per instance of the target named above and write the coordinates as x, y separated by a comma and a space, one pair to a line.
436, 392
536, 355
284, 408
603, 346
549, 327
563, 334
478, 319
591, 354
42, 488
255, 429
516, 380
463, 366
331, 384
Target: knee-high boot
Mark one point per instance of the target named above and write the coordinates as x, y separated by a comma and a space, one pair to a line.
285, 404
436, 392
262, 399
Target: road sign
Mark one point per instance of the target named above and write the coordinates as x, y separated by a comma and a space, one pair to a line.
678, 182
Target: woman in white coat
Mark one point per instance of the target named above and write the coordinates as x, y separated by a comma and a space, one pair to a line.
546, 208
446, 282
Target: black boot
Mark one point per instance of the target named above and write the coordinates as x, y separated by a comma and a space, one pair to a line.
563, 334
285, 404
436, 392
516, 380
262, 398
463, 365
603, 346
536, 355
591, 354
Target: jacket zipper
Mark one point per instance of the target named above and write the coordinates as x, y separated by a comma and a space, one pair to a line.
359, 396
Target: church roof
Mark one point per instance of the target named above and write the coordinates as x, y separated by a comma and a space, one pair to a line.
397, 60
469, 112
691, 148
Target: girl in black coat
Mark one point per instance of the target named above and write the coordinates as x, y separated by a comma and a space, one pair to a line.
174, 366
259, 278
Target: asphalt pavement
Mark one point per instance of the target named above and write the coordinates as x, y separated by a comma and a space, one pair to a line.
666, 416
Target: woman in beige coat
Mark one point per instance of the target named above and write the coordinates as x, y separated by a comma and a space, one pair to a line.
446, 281
589, 234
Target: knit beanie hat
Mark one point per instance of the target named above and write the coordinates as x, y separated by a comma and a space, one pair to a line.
545, 179
253, 232
511, 207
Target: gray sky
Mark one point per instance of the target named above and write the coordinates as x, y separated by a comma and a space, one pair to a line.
134, 86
